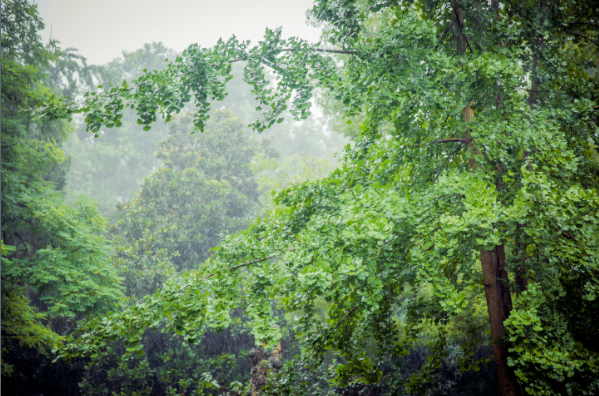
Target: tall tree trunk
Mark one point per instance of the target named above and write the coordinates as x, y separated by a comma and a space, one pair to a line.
495, 277
499, 305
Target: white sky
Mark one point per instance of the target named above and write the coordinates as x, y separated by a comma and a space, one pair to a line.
102, 29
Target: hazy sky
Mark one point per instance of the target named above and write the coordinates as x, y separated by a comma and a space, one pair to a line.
101, 29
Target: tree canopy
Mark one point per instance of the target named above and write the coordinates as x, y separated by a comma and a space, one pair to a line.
53, 253
474, 181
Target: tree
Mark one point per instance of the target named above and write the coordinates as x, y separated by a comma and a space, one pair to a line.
55, 257
204, 189
484, 186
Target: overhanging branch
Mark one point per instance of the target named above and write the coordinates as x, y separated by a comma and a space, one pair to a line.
584, 37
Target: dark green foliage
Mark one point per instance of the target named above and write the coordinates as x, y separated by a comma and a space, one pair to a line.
54, 256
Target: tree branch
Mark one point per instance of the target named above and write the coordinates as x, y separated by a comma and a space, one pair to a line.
570, 236
246, 264
449, 140
582, 23
584, 37
332, 51
332, 331
454, 140
443, 164
252, 262
460, 25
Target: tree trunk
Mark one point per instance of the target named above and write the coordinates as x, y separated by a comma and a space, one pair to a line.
495, 277
263, 361
499, 305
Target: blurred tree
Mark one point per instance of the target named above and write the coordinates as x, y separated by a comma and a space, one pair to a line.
205, 189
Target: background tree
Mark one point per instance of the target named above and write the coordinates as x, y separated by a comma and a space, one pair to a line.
111, 169
204, 189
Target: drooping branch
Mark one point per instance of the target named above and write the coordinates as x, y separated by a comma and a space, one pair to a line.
584, 37
332, 51
106, 107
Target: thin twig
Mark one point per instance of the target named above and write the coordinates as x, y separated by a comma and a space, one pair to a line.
245, 264
332, 331
570, 236
252, 262
443, 164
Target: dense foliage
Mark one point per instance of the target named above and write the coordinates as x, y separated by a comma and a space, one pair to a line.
53, 254
468, 201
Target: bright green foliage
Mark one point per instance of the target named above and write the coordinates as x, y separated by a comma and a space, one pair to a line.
413, 205
72, 273
56, 255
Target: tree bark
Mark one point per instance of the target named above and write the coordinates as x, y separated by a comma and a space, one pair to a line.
499, 305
